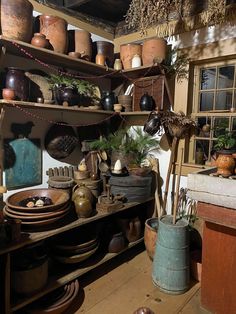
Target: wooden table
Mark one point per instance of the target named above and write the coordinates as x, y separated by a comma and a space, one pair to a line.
218, 258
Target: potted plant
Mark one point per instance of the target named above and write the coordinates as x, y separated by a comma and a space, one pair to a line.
72, 90
131, 146
225, 146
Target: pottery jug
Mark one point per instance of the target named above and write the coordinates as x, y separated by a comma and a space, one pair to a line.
83, 44
108, 100
81, 189
154, 51
153, 123
39, 40
83, 206
146, 102
16, 80
17, 19
127, 52
55, 30
8, 93
107, 49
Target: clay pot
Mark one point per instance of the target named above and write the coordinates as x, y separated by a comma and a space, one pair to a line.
83, 44
154, 51
8, 94
150, 235
107, 49
127, 52
100, 59
81, 189
225, 163
126, 101
17, 19
39, 40
74, 54
117, 243
118, 107
83, 206
16, 80
55, 30
131, 228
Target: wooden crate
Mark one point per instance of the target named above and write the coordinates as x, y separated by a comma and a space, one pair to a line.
156, 87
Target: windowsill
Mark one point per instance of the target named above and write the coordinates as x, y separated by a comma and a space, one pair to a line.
190, 168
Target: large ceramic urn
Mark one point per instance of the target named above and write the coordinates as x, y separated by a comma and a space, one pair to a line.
55, 30
17, 19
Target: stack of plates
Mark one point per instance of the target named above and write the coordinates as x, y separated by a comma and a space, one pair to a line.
58, 301
34, 217
70, 254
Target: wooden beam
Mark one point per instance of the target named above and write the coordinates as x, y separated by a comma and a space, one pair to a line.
77, 19
74, 3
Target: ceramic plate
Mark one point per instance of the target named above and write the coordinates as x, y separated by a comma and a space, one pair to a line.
75, 258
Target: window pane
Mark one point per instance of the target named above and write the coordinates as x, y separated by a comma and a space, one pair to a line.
204, 126
226, 76
208, 77
220, 126
206, 101
224, 100
201, 151
234, 124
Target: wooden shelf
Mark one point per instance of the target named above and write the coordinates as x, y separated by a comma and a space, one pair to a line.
29, 238
57, 281
131, 118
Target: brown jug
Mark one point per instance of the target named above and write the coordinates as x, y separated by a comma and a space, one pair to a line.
83, 206
39, 40
81, 189
55, 30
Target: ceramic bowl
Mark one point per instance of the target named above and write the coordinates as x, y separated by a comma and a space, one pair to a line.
58, 197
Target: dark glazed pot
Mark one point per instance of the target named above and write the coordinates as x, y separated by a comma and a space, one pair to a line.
65, 95
16, 80
146, 102
108, 101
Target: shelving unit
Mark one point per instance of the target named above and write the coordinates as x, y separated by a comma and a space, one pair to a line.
11, 303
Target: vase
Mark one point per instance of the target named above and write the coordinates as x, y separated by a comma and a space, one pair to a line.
146, 102
225, 163
83, 44
107, 49
150, 235
16, 80
39, 40
8, 93
127, 52
100, 59
55, 30
83, 206
154, 51
17, 19
81, 189
108, 100
117, 243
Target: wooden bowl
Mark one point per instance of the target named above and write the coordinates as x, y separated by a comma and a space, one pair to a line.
58, 197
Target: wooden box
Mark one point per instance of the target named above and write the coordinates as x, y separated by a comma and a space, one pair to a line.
156, 87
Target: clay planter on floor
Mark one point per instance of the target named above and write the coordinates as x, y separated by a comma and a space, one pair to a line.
55, 30
150, 236
17, 19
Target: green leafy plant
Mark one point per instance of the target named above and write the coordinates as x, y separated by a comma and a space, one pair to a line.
137, 143
225, 141
82, 87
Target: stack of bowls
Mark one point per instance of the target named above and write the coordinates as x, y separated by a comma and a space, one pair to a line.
58, 301
74, 251
37, 216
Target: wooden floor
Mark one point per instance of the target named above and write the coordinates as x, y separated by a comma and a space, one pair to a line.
125, 284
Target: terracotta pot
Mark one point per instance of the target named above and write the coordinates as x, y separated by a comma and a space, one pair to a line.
107, 49
225, 164
127, 52
154, 50
16, 80
17, 19
39, 40
83, 44
8, 93
150, 235
55, 30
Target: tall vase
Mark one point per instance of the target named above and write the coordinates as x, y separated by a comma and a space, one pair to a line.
171, 270
83, 44
107, 49
17, 19
16, 80
55, 30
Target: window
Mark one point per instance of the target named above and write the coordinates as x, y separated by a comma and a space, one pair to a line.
214, 107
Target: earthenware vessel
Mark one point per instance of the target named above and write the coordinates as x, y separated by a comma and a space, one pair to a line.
16, 80
39, 40
8, 93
